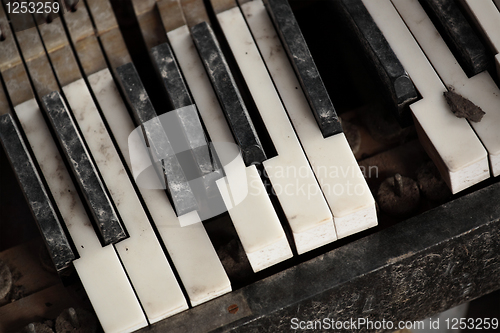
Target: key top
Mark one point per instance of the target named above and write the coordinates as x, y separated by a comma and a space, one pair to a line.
174, 177
228, 94
303, 63
449, 141
397, 83
307, 212
101, 208
35, 193
466, 46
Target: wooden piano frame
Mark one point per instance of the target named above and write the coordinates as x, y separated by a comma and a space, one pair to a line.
417, 268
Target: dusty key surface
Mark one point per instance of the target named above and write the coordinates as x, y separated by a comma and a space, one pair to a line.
38, 199
95, 194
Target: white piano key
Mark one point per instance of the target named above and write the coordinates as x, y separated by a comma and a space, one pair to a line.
480, 89
192, 253
449, 141
141, 254
266, 245
99, 268
334, 165
290, 173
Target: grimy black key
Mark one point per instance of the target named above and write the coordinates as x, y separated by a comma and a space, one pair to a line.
396, 82
35, 193
101, 207
187, 116
303, 63
458, 34
229, 96
145, 115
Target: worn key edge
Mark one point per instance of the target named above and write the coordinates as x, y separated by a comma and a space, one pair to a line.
92, 187
303, 63
35, 194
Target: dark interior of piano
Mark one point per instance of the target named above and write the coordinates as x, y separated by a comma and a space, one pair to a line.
434, 245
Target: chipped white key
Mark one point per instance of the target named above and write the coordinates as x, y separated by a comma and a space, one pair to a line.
480, 89
98, 267
449, 141
290, 173
265, 244
334, 165
141, 254
487, 18
192, 253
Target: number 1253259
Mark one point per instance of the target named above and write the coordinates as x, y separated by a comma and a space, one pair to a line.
33, 7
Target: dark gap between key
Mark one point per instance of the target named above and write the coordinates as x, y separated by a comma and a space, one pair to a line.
136, 46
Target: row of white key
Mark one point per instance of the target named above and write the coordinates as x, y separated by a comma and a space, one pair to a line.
332, 160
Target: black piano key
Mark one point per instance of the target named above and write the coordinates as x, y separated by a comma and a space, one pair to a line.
178, 94
397, 83
458, 34
229, 96
175, 179
35, 193
101, 207
303, 63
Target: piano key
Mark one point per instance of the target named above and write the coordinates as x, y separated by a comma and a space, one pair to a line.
307, 212
190, 249
480, 89
338, 174
450, 142
466, 46
487, 17
185, 116
303, 63
110, 293
35, 193
175, 179
228, 94
266, 243
397, 83
101, 206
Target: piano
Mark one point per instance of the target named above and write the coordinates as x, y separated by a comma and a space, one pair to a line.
149, 146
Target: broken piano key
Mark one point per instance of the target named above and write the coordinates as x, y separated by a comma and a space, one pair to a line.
171, 171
